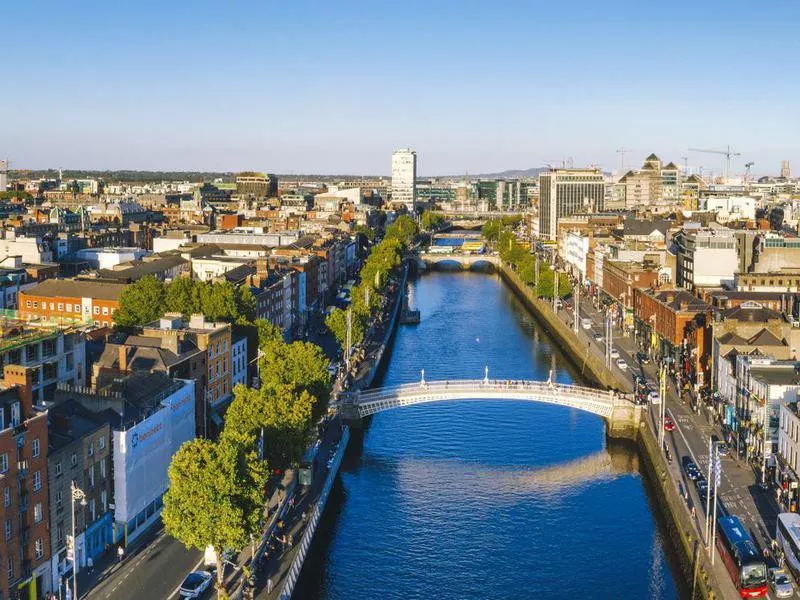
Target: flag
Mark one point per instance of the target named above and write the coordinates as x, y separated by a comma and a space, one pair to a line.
717, 470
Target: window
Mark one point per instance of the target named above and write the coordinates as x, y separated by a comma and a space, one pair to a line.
60, 306
59, 497
105, 310
38, 547
9, 529
69, 307
27, 303
7, 496
15, 411
97, 310
37, 512
36, 304
91, 477
91, 449
74, 459
3, 462
103, 500
102, 470
37, 481
59, 533
77, 308
92, 510
10, 568
36, 448
101, 442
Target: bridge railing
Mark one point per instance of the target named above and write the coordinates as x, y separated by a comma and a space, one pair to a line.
473, 385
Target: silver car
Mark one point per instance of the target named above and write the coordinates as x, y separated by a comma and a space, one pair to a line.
780, 583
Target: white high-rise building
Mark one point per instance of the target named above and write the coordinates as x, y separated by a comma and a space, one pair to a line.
3, 175
404, 177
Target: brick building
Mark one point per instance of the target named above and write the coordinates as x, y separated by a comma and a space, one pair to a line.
25, 551
73, 299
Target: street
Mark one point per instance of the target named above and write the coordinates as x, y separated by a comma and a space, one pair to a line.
739, 489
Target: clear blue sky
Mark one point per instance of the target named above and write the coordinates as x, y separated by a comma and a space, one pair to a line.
334, 87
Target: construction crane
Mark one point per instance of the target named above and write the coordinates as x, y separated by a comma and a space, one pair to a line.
726, 153
747, 171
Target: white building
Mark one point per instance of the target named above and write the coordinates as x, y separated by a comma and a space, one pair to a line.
238, 361
32, 249
404, 178
142, 454
564, 192
208, 268
706, 257
108, 258
732, 208
574, 249
170, 242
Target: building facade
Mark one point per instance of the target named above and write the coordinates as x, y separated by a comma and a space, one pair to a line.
404, 178
565, 192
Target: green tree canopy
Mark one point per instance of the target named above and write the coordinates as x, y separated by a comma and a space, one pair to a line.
284, 415
299, 365
491, 230
142, 302
431, 220
337, 323
403, 229
215, 496
366, 231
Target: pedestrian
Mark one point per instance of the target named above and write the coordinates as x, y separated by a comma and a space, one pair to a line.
269, 585
305, 516
90, 565
120, 552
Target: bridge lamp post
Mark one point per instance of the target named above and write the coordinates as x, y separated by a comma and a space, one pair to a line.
713, 459
76, 493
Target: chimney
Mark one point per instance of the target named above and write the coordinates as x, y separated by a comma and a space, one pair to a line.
197, 321
169, 341
21, 377
123, 358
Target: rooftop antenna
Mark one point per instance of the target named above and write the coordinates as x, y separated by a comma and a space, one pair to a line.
685, 165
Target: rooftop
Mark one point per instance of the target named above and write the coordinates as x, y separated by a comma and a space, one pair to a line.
77, 288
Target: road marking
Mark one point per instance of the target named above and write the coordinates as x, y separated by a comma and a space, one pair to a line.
178, 589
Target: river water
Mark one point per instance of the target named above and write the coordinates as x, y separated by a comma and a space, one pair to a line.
485, 499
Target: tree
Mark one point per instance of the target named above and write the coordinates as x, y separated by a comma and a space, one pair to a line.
431, 220
491, 230
245, 305
140, 303
337, 323
300, 365
183, 296
545, 287
219, 302
268, 333
215, 496
403, 229
284, 416
366, 231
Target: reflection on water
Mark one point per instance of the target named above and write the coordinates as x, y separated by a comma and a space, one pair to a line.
486, 499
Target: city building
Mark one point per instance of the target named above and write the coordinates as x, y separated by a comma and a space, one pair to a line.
564, 192
75, 300
25, 551
404, 178
151, 416
257, 185
788, 456
706, 257
79, 453
238, 360
108, 258
215, 340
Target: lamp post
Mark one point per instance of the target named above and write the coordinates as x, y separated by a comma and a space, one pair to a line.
76, 493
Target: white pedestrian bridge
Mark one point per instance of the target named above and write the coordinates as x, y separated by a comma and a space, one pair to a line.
619, 411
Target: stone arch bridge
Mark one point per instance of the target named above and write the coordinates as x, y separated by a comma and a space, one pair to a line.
466, 261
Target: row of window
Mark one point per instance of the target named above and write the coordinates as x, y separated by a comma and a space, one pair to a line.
68, 307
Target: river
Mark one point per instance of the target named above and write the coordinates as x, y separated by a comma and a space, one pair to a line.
485, 499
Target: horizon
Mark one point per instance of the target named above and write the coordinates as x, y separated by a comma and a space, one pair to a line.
328, 90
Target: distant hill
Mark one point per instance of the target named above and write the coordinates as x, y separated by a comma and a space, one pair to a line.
508, 174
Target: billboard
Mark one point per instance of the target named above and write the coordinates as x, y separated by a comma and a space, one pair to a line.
142, 454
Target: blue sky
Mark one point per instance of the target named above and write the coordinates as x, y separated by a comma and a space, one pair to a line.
333, 87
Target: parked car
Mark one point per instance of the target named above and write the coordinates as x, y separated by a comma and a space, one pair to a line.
621, 364
669, 424
195, 584
780, 583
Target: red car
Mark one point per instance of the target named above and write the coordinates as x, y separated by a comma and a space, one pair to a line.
669, 424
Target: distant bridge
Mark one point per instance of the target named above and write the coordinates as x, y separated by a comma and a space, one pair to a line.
620, 412
430, 259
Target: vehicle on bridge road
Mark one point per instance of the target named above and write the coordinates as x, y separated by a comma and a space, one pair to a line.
690, 468
622, 365
669, 424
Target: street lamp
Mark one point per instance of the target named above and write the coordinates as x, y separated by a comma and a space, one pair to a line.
711, 524
76, 493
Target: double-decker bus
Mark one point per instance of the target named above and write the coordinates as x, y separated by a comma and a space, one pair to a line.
787, 535
742, 559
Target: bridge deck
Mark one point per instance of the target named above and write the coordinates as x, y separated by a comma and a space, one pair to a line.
596, 401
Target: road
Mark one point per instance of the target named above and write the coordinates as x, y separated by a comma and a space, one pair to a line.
156, 571
739, 489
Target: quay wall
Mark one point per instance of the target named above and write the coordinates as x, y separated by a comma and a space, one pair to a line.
691, 553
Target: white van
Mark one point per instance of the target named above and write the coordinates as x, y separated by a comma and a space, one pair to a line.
586, 323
